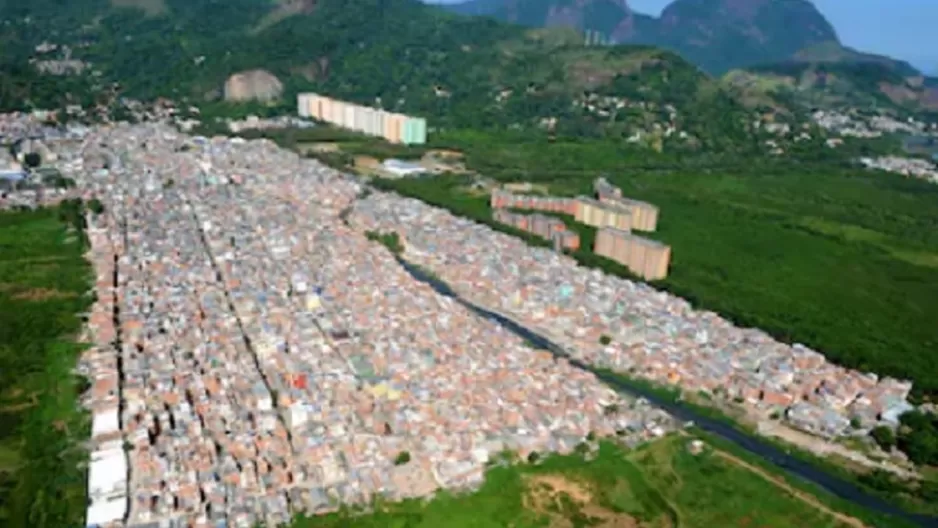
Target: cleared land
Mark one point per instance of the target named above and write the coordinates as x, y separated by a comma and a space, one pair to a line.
43, 280
661, 484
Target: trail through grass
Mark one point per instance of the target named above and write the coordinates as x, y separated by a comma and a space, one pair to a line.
658, 485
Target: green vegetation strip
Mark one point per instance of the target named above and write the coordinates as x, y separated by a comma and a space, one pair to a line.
824, 497
659, 484
44, 283
913, 498
389, 240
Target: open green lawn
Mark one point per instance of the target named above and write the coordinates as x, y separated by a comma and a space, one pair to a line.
43, 283
659, 485
840, 259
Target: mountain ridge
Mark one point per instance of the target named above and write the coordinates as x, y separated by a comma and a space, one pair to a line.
717, 35
399, 54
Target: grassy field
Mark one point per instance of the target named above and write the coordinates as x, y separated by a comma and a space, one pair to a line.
840, 259
43, 283
913, 498
661, 484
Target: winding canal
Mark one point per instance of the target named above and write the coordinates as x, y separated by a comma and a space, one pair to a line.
757, 446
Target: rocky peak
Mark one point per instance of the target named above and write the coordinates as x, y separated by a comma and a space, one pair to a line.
796, 20
253, 85
724, 34
717, 35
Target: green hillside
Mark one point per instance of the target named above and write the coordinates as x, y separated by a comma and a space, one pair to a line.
780, 41
842, 80
462, 72
717, 35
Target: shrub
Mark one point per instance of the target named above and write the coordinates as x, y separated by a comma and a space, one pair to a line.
32, 160
402, 458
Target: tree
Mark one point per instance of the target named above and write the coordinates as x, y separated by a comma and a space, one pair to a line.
928, 490
32, 160
95, 206
884, 437
402, 458
881, 480
604, 340
918, 437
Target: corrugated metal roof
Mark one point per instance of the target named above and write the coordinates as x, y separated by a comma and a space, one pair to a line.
12, 175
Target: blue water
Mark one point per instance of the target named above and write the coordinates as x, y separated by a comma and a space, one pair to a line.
794, 466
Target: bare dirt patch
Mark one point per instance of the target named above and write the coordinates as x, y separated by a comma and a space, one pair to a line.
150, 7
41, 294
367, 163
323, 147
17, 401
546, 496
445, 153
557, 484
527, 187
284, 10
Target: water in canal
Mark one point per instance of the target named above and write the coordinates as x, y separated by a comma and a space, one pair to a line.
835, 485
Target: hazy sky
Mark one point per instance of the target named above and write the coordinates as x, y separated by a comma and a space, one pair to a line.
904, 29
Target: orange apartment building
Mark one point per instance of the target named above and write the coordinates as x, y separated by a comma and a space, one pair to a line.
613, 215
649, 259
644, 215
547, 227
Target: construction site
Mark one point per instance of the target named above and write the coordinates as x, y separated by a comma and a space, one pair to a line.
615, 218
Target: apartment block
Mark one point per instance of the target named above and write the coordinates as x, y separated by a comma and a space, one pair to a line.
393, 127
546, 227
646, 258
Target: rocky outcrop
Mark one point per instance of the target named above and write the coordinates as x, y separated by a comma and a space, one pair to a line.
720, 35
253, 85
717, 35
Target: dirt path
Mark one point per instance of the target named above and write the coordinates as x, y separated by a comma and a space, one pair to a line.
33, 260
825, 448
800, 495
662, 461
